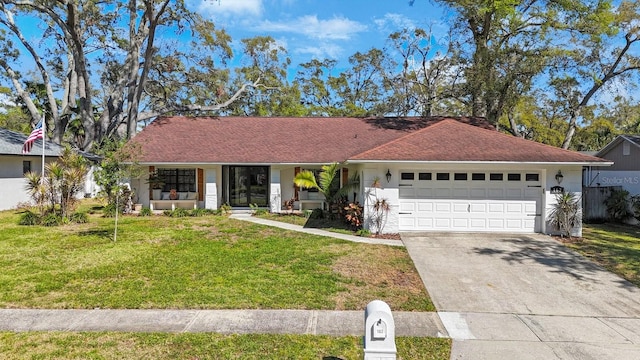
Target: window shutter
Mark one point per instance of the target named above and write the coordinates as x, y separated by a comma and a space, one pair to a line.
295, 188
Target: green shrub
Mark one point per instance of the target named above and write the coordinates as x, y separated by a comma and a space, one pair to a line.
145, 211
317, 214
52, 219
79, 218
29, 218
307, 213
635, 205
109, 210
225, 209
201, 212
363, 233
179, 212
618, 206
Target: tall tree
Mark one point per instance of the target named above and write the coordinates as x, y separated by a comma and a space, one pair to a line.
597, 59
116, 44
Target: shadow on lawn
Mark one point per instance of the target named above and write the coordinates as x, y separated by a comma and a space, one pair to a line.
557, 257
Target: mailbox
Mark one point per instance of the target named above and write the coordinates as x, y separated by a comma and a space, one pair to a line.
379, 332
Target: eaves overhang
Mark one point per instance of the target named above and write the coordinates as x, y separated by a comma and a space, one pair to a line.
487, 162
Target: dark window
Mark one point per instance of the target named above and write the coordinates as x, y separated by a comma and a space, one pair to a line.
424, 176
407, 176
460, 176
532, 177
513, 177
477, 176
180, 179
442, 176
26, 167
495, 176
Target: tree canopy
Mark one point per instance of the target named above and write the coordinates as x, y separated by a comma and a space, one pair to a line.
547, 70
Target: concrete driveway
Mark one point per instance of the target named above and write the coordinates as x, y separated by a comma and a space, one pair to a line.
525, 297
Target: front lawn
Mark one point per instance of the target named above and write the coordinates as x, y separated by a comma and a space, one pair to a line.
56, 345
615, 247
210, 262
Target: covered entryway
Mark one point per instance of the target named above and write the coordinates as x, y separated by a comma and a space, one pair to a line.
476, 201
247, 185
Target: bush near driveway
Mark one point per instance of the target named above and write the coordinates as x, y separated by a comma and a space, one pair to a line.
615, 247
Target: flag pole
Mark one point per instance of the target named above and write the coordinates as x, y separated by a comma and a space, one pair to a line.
44, 136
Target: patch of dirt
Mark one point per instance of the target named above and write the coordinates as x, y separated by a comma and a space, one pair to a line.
386, 236
379, 272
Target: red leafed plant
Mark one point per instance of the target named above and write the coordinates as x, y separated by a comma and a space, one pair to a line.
353, 215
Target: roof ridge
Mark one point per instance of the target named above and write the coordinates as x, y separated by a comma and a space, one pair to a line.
401, 138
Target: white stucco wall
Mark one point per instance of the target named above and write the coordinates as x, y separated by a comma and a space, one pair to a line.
572, 182
211, 189
12, 182
387, 191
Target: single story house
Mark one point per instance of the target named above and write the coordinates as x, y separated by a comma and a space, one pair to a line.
14, 164
624, 152
437, 173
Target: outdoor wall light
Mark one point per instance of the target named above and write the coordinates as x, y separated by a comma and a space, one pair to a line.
388, 175
559, 177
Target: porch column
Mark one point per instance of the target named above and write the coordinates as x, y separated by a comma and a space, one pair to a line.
211, 190
275, 202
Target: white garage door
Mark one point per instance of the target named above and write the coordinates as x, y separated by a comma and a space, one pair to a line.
470, 201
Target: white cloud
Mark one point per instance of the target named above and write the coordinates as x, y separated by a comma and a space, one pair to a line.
325, 50
393, 22
310, 26
227, 8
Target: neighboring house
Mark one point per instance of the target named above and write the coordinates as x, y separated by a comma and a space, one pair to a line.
14, 164
624, 152
438, 174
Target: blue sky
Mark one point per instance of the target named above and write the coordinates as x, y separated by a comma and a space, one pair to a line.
321, 29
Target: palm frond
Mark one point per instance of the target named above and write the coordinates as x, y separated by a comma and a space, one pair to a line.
306, 179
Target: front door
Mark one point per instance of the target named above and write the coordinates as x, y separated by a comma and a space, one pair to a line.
248, 185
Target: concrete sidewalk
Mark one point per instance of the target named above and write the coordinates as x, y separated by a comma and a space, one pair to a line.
312, 322
313, 231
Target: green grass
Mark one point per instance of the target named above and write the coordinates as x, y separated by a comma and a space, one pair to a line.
57, 345
615, 247
209, 262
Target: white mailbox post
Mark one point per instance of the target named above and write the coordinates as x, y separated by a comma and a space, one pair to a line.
379, 332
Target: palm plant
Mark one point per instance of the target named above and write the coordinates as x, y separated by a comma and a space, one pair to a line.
36, 189
307, 179
565, 214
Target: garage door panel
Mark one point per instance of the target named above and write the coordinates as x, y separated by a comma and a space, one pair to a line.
460, 208
478, 224
460, 224
495, 224
407, 193
442, 223
407, 206
495, 208
496, 193
460, 193
478, 208
514, 208
422, 193
443, 207
425, 223
478, 193
425, 207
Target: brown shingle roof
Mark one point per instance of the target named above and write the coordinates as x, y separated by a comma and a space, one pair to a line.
449, 140
256, 140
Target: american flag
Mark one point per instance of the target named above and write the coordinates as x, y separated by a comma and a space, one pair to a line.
36, 134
